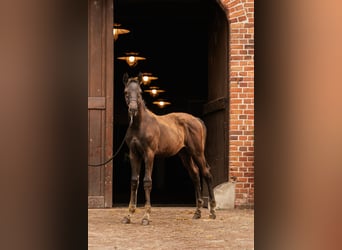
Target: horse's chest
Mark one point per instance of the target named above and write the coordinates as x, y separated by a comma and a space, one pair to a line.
135, 144
139, 142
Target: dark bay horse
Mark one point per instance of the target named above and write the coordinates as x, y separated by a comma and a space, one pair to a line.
151, 135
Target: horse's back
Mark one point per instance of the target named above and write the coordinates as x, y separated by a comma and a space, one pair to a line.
193, 127
183, 119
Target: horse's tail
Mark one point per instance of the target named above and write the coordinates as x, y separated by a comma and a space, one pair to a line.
204, 136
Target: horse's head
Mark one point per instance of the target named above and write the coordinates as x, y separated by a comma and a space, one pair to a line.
132, 93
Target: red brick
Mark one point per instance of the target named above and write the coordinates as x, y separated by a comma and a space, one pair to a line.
243, 158
232, 4
237, 57
251, 158
240, 185
248, 174
242, 137
242, 179
248, 132
248, 111
242, 18
237, 14
236, 111
233, 137
246, 185
245, 90
236, 132
237, 175
233, 20
237, 46
238, 101
248, 153
235, 90
238, 195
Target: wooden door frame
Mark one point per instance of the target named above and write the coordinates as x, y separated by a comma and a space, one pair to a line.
220, 104
102, 101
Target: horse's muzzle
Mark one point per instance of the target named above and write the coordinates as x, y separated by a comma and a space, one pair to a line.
132, 111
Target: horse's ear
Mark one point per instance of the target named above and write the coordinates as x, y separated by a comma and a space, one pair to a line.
140, 78
125, 78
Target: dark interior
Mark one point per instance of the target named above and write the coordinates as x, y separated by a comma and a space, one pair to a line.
173, 36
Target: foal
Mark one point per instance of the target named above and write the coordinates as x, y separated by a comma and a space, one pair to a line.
151, 135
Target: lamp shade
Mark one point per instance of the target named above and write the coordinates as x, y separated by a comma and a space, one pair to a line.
161, 103
147, 78
154, 91
117, 30
131, 58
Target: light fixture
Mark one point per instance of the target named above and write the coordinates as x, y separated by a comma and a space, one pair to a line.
118, 31
161, 103
131, 58
154, 91
147, 78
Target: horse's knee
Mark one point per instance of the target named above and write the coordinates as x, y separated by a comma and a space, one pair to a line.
147, 184
134, 183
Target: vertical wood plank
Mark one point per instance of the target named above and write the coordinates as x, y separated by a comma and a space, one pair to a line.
109, 62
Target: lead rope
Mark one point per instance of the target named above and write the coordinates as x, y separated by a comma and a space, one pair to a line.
122, 143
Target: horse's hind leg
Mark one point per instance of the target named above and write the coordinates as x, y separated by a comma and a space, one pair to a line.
135, 166
194, 174
205, 170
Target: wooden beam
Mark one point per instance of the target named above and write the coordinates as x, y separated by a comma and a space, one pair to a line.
215, 105
96, 103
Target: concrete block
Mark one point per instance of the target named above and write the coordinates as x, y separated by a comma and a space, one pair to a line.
225, 195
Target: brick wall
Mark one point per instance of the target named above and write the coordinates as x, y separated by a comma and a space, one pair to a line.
240, 14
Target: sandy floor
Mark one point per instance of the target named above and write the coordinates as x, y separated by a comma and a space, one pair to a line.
171, 228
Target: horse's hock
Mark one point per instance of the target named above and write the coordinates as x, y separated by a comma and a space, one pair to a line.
225, 195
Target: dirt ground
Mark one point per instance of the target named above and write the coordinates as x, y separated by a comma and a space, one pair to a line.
171, 228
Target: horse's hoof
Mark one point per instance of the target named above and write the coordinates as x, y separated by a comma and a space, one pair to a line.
145, 222
126, 220
196, 216
212, 216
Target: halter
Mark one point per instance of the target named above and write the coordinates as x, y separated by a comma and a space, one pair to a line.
136, 98
130, 82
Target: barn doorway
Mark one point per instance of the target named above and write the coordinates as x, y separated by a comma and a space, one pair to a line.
175, 37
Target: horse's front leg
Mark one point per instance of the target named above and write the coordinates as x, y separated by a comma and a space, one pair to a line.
149, 157
135, 166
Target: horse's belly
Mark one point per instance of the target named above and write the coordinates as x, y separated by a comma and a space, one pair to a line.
170, 145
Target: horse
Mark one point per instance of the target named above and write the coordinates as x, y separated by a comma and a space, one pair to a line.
150, 135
